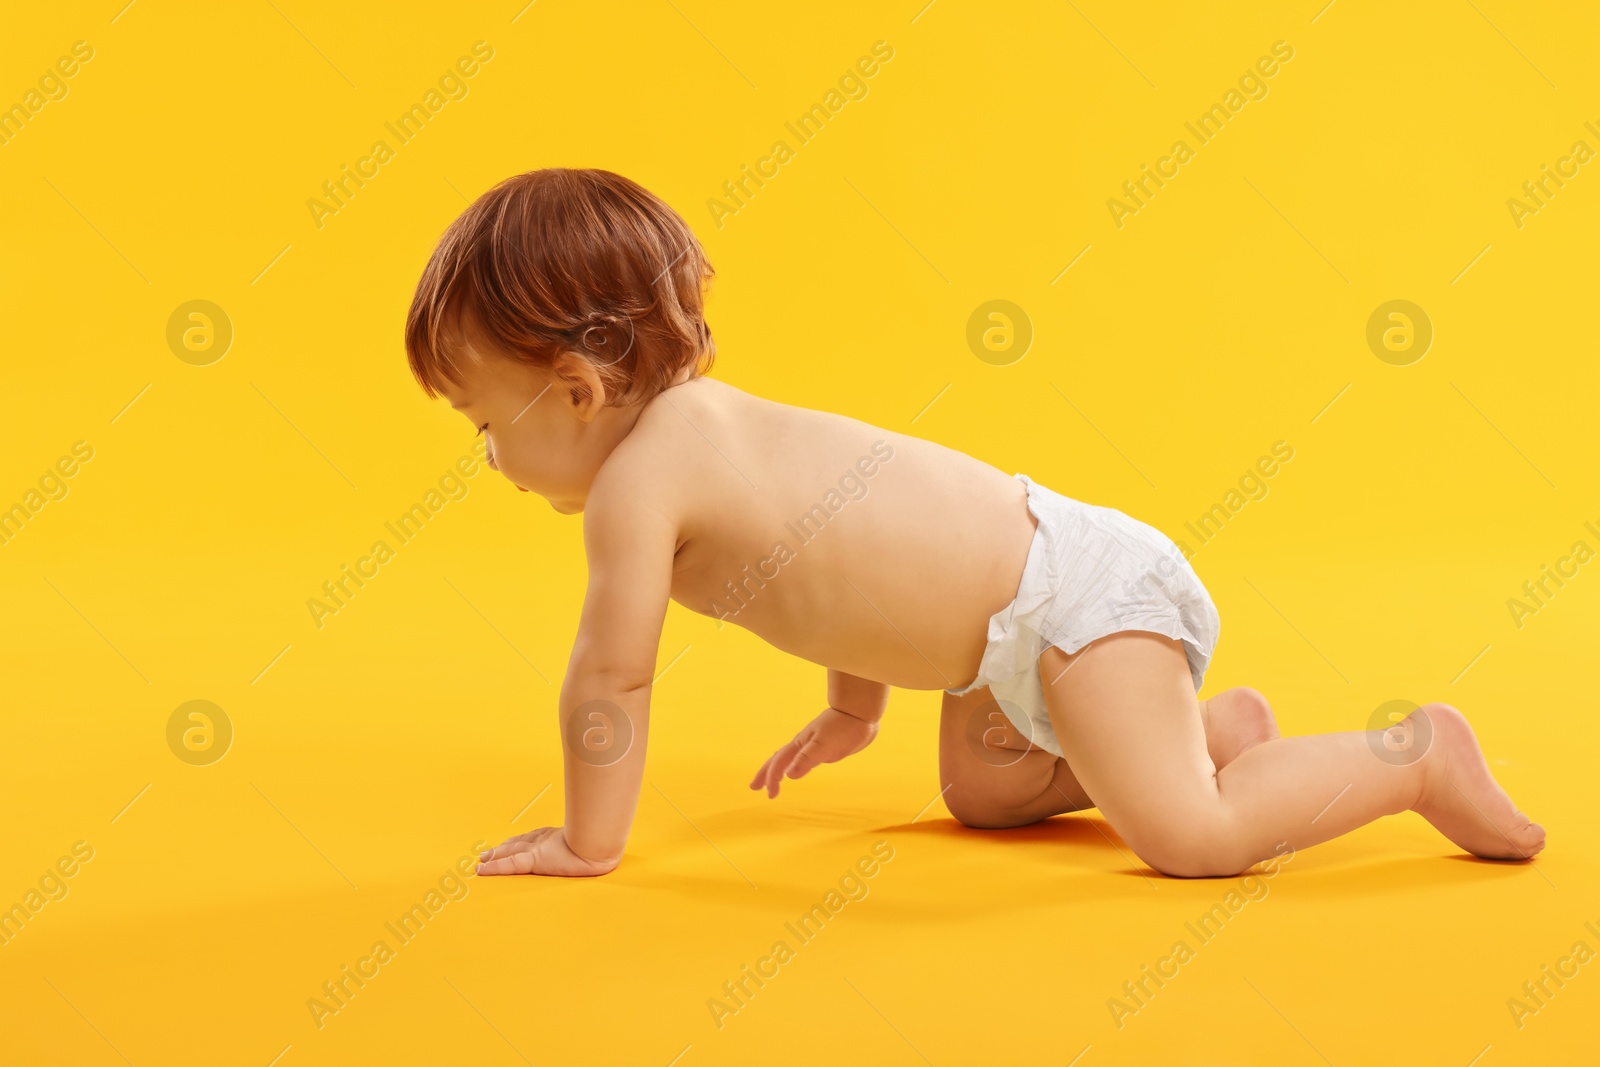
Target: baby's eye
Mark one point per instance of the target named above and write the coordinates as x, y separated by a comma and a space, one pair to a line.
482, 428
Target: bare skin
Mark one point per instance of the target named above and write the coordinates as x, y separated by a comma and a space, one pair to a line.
1011, 783
819, 533
1127, 718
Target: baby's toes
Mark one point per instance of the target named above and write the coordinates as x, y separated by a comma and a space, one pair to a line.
1528, 840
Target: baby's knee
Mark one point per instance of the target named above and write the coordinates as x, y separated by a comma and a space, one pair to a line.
1193, 848
979, 818
978, 811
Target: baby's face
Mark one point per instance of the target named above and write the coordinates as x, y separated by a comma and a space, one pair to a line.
536, 431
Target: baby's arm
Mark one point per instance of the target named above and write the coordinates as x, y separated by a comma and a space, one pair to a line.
847, 726
857, 696
605, 698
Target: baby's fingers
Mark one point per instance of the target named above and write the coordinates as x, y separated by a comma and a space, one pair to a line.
807, 758
516, 855
514, 845
778, 764
513, 863
761, 776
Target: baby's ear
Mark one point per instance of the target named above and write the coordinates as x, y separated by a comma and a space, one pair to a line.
580, 383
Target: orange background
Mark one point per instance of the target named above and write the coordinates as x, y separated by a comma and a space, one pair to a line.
1167, 355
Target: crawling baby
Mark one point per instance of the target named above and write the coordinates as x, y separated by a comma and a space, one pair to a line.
561, 314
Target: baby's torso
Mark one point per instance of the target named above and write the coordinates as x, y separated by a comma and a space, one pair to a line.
861, 549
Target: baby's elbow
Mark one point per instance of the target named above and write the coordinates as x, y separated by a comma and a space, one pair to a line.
586, 681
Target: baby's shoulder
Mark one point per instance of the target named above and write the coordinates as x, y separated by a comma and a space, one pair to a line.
647, 473
668, 443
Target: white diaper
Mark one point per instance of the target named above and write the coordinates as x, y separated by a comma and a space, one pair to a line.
1091, 571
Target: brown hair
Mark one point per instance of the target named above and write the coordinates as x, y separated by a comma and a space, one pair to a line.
558, 260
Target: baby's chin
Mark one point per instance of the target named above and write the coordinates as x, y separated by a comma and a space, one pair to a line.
561, 505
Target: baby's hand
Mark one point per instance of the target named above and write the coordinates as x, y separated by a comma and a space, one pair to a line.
541, 851
829, 737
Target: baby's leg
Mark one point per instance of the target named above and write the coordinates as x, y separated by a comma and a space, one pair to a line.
1127, 719
994, 778
1236, 720
991, 776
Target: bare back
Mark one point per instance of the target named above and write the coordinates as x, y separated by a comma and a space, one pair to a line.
863, 550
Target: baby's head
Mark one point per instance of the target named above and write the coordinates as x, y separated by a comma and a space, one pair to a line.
553, 309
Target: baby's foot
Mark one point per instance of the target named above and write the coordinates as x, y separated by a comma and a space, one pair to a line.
1462, 799
1236, 720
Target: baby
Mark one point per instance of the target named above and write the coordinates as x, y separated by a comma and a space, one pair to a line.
562, 315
